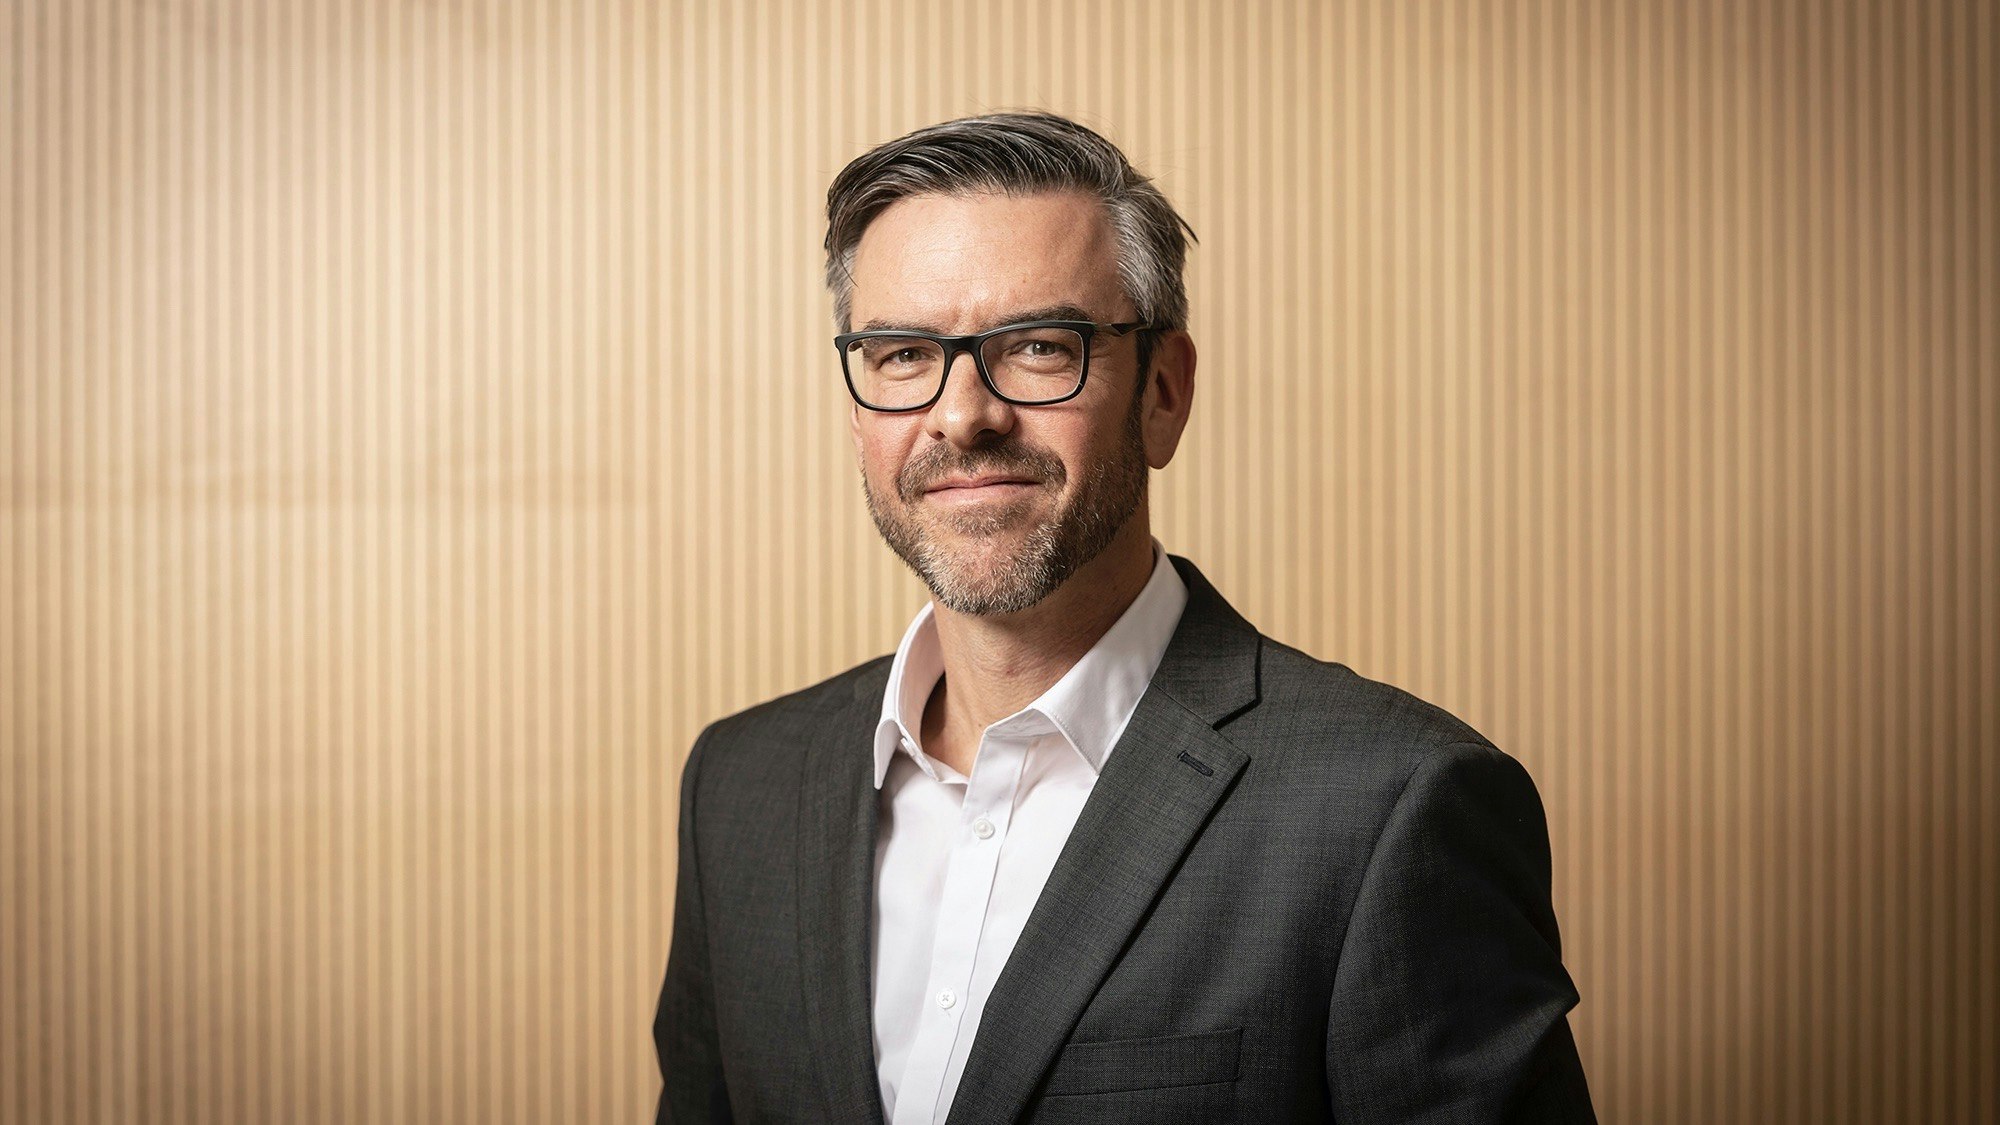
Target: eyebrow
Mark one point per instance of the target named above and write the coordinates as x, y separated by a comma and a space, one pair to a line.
1047, 312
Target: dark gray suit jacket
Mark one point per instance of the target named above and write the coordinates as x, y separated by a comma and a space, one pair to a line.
1295, 894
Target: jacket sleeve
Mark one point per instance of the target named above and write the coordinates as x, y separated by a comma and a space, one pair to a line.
684, 1035
1450, 997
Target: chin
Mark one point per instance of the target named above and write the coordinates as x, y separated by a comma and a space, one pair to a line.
988, 524
987, 599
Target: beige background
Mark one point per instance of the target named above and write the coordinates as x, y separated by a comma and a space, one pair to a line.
419, 418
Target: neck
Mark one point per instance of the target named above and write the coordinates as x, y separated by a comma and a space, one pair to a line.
996, 665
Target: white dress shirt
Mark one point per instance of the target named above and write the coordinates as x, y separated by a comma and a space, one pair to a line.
959, 861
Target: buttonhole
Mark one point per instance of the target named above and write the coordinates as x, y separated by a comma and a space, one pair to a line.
1190, 760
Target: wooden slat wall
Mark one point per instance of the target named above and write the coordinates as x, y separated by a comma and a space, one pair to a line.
417, 419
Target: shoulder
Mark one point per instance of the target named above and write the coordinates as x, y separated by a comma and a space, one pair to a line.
1321, 723
770, 736
1350, 762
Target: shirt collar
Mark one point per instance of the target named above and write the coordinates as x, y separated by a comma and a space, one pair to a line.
1089, 706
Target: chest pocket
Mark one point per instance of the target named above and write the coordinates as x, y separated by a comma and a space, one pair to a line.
1145, 1064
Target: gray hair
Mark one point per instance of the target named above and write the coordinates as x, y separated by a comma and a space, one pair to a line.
1017, 153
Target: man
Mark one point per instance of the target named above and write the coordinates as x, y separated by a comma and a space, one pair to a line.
1087, 847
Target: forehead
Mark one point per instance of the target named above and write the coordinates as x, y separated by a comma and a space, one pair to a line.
958, 262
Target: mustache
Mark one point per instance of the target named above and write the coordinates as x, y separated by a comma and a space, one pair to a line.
1011, 460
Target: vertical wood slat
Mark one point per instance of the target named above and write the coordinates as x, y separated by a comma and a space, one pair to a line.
379, 518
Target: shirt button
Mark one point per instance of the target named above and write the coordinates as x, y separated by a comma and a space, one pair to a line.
982, 828
947, 998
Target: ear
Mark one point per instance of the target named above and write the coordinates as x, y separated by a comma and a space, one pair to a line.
1169, 396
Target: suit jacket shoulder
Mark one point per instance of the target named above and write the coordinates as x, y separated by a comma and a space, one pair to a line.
761, 748
1356, 706
1320, 726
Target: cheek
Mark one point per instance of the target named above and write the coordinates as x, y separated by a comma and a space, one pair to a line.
882, 474
1083, 440
881, 451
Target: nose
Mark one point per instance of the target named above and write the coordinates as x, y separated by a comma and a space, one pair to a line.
966, 413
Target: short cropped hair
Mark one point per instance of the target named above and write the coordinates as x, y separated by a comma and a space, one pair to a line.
1015, 153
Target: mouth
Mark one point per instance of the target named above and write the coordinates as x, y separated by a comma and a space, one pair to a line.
979, 490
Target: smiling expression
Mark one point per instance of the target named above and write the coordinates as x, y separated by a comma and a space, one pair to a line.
995, 505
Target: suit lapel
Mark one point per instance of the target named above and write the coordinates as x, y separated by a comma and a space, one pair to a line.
836, 871
1161, 782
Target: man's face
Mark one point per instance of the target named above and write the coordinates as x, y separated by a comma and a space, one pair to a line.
1076, 470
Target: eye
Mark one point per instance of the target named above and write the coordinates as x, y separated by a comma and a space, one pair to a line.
1041, 351
897, 354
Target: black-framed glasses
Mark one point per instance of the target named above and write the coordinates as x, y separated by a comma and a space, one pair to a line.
1033, 363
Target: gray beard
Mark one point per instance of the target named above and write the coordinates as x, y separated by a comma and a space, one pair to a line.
1053, 550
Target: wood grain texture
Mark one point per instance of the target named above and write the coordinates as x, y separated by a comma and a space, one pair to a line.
418, 419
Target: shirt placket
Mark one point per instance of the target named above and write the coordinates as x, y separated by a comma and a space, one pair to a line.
968, 887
